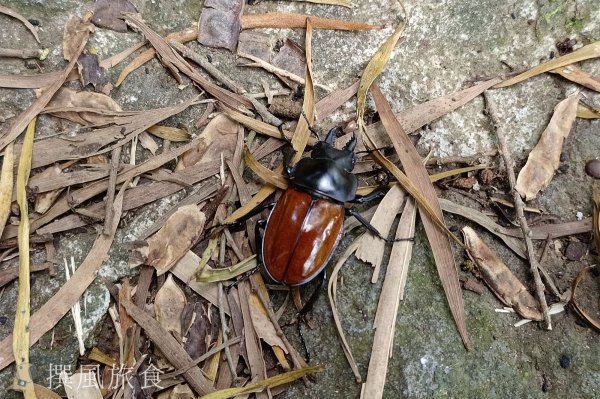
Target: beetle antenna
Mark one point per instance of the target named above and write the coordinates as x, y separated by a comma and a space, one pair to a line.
312, 130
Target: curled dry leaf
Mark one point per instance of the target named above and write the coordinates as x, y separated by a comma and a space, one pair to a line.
148, 142
168, 306
169, 133
503, 283
75, 28
69, 98
218, 137
544, 159
172, 241
586, 111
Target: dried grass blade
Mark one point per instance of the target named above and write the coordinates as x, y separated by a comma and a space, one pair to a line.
268, 176
290, 21
586, 52
28, 81
22, 381
392, 292
56, 307
169, 133
374, 68
343, 3
577, 75
454, 172
593, 322
440, 244
258, 126
332, 294
181, 37
24, 21
585, 111
23, 119
271, 382
215, 275
6, 184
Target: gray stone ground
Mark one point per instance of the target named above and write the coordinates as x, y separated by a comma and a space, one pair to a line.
448, 43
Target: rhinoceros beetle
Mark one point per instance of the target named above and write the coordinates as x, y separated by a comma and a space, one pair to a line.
296, 241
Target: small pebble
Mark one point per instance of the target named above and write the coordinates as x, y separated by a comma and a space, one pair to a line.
592, 168
579, 215
575, 250
565, 361
3, 320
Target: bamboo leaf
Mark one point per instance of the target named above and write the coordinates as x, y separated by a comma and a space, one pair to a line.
268, 176
577, 75
214, 275
6, 184
290, 21
260, 386
23, 381
584, 53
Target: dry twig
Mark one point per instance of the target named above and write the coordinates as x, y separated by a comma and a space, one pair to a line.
519, 205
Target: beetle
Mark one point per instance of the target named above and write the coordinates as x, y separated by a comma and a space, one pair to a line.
305, 225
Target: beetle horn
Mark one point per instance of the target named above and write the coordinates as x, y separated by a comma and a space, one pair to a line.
351, 145
330, 138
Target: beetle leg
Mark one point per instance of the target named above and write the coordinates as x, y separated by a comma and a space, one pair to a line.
373, 195
371, 228
315, 295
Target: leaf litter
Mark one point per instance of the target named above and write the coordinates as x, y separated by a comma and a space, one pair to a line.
245, 312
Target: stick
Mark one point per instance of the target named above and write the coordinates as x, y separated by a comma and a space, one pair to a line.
112, 180
224, 329
519, 205
25, 53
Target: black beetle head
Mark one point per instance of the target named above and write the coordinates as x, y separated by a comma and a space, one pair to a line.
325, 149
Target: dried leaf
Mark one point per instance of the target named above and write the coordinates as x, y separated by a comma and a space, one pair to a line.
69, 98
371, 248
20, 338
255, 43
210, 275
577, 75
586, 52
435, 228
374, 68
90, 71
392, 292
169, 133
108, 14
44, 201
499, 278
148, 142
291, 57
544, 159
24, 21
262, 325
592, 322
218, 137
271, 382
586, 111
268, 176
41, 392
144, 57
6, 184
290, 21
172, 241
220, 23
168, 306
75, 29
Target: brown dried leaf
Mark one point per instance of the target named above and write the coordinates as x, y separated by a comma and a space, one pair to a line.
24, 21
69, 98
75, 29
499, 278
90, 71
430, 211
586, 52
290, 21
169, 133
172, 241
181, 37
6, 185
577, 75
220, 23
44, 201
168, 306
108, 14
544, 159
218, 137
262, 324
148, 142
